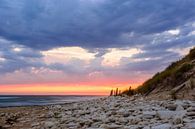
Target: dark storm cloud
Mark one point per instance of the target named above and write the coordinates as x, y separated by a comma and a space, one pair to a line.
44, 24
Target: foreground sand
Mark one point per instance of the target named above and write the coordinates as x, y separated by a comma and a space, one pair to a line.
103, 113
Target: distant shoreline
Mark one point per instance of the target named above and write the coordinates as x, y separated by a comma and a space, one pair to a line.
19, 101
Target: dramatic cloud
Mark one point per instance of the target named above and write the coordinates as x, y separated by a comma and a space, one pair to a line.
113, 57
65, 54
90, 42
44, 24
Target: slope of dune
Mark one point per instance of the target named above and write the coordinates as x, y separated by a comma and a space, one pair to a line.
176, 81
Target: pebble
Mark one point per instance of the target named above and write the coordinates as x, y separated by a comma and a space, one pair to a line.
165, 114
179, 108
191, 125
191, 113
49, 124
171, 106
177, 120
163, 126
149, 114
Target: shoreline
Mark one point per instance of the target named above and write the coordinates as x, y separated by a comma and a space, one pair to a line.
36, 105
102, 113
54, 104
25, 101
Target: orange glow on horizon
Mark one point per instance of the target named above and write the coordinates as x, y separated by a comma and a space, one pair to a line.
59, 89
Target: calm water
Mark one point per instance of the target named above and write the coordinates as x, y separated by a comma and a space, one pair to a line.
6, 101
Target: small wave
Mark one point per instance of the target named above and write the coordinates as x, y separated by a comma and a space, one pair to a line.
9, 97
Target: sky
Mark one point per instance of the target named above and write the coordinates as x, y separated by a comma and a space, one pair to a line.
88, 47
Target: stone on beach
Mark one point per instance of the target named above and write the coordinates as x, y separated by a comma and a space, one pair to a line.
191, 125
49, 124
149, 114
165, 114
163, 126
179, 108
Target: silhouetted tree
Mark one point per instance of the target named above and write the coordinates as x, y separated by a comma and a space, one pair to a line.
111, 92
116, 94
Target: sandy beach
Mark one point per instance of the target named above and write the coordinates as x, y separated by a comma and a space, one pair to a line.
103, 113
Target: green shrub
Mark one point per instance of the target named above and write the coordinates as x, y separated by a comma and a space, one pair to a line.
173, 65
181, 70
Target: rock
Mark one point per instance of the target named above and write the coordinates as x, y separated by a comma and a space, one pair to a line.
126, 114
179, 108
110, 120
178, 126
88, 122
103, 126
72, 125
177, 120
7, 126
165, 114
190, 113
122, 120
178, 102
2, 114
190, 125
123, 112
64, 119
49, 124
191, 109
162, 126
68, 112
43, 116
12, 119
186, 105
35, 124
186, 120
113, 126
131, 110
83, 112
171, 106
49, 115
95, 119
57, 107
133, 127
133, 120
149, 114
178, 117
146, 127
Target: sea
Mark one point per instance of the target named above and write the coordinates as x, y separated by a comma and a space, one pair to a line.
33, 100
